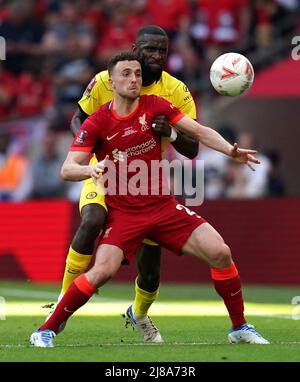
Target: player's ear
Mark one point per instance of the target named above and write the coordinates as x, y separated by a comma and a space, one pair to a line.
111, 82
134, 48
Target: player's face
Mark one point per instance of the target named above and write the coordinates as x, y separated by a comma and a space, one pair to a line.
152, 51
126, 79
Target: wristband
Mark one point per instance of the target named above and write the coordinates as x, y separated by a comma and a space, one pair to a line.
173, 136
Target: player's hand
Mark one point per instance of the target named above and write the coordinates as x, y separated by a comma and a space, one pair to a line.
160, 126
98, 169
244, 156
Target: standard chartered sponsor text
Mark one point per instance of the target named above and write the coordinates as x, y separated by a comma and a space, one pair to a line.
140, 149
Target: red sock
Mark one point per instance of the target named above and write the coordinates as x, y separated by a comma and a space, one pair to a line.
228, 285
79, 292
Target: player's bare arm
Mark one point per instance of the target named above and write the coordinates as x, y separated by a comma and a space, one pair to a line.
78, 118
184, 144
214, 140
73, 168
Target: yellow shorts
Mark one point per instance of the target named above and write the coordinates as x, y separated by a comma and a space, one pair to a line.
91, 193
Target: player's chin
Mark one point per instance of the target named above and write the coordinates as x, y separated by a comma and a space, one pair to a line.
133, 93
154, 66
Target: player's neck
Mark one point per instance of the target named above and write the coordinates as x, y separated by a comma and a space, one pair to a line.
124, 106
150, 78
148, 82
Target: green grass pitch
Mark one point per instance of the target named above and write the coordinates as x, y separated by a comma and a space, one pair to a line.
191, 318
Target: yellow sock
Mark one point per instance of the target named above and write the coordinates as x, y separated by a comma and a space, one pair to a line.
76, 264
143, 300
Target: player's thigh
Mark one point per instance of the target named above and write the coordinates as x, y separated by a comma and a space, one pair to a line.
90, 194
205, 243
148, 258
174, 224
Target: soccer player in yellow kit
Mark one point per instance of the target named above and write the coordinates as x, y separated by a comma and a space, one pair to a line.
152, 47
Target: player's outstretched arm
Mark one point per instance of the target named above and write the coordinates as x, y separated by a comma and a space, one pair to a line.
77, 120
182, 143
214, 140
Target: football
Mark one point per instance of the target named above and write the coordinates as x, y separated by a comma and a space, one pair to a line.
231, 74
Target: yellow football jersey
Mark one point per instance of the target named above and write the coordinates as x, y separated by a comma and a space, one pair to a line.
98, 92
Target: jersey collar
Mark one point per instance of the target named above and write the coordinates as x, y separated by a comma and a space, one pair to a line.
118, 117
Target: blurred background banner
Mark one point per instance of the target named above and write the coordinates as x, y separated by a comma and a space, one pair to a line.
53, 50
263, 235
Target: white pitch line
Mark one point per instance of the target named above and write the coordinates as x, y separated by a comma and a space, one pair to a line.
123, 344
143, 344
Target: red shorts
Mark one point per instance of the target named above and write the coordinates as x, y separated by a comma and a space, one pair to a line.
168, 223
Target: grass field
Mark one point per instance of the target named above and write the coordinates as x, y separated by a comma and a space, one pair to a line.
191, 319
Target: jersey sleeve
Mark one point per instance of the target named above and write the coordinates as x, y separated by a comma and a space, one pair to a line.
184, 101
96, 94
87, 136
89, 100
169, 110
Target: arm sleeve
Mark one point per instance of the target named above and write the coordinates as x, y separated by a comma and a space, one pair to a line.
97, 93
90, 101
163, 107
87, 136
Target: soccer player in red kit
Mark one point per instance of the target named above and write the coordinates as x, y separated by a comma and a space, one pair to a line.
121, 131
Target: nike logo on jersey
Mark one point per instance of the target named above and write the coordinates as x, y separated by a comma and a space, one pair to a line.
233, 294
112, 136
68, 311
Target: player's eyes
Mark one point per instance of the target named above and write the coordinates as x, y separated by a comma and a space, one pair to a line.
150, 49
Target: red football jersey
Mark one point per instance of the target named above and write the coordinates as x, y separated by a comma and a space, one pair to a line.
133, 149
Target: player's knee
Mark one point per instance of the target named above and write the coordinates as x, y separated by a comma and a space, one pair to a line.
100, 277
92, 220
102, 274
221, 257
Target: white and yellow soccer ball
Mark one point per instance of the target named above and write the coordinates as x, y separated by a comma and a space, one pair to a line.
231, 74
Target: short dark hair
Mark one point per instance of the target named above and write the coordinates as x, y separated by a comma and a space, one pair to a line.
123, 56
150, 29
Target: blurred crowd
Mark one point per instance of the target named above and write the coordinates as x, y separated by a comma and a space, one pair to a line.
223, 178
54, 47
